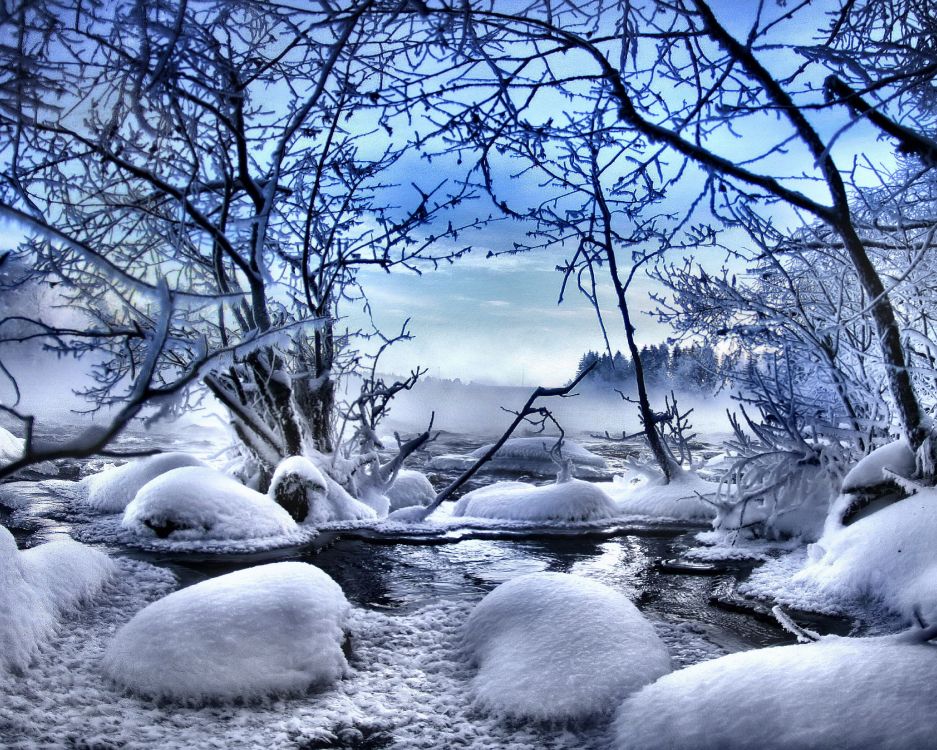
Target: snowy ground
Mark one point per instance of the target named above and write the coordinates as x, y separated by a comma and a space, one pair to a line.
409, 688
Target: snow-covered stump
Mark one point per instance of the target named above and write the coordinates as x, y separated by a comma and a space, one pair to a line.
558, 647
111, 491
570, 501
836, 693
38, 587
201, 503
270, 630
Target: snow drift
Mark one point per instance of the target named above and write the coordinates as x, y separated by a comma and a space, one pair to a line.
272, 629
38, 587
552, 646
573, 500
111, 490
683, 498
11, 447
197, 502
837, 693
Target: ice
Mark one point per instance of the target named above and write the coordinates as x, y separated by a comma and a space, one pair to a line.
197, 502
573, 500
110, 491
272, 629
327, 500
410, 488
684, 498
11, 447
528, 454
836, 693
555, 647
40, 586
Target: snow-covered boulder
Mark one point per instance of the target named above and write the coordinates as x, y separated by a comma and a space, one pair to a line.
684, 498
857, 693
889, 557
11, 447
110, 491
896, 457
573, 500
553, 647
197, 502
271, 629
528, 454
325, 500
410, 488
38, 587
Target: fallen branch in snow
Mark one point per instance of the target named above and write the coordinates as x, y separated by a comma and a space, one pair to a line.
803, 635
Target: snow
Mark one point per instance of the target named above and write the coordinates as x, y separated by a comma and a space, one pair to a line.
682, 498
328, 501
895, 457
410, 488
11, 447
836, 693
887, 558
275, 628
573, 500
555, 647
528, 454
111, 490
197, 502
38, 588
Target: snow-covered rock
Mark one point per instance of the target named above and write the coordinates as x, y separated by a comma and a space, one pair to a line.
528, 454
11, 447
889, 557
857, 693
896, 457
326, 500
270, 629
682, 498
553, 647
110, 491
573, 500
197, 502
410, 488
38, 587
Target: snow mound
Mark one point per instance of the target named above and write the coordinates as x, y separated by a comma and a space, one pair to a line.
11, 447
326, 500
573, 500
38, 587
837, 693
272, 629
197, 502
888, 557
410, 488
682, 498
111, 490
896, 457
529, 454
554, 647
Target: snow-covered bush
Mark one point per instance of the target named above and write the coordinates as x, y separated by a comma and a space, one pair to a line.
11, 447
534, 455
325, 499
572, 500
38, 587
110, 491
554, 647
410, 488
197, 502
837, 693
888, 557
686, 497
271, 629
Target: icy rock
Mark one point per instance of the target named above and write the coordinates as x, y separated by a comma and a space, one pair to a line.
896, 457
11, 447
888, 557
837, 693
197, 502
410, 488
574, 500
682, 498
271, 629
38, 587
111, 490
555, 647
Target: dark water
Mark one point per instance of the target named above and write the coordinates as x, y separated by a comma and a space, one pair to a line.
385, 573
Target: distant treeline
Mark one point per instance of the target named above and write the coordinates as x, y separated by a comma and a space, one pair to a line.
687, 368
